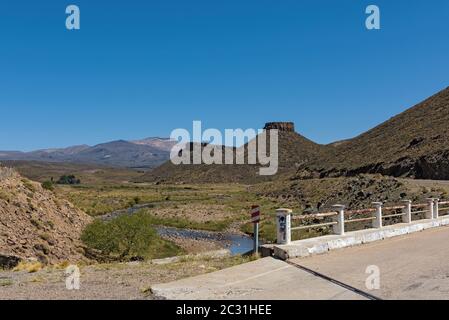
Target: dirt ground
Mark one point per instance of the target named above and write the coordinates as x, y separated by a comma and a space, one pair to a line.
193, 246
122, 281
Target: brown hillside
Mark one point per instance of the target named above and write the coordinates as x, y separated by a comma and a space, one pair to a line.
294, 150
34, 224
414, 143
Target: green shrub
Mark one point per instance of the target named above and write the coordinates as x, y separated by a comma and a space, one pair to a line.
5, 196
28, 185
48, 185
127, 238
44, 236
68, 179
51, 224
35, 222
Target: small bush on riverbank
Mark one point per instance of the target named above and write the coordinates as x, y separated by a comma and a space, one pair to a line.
128, 238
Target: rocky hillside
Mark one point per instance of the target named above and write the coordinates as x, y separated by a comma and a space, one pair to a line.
34, 224
357, 192
411, 144
294, 150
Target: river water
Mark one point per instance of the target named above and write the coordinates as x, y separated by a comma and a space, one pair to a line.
236, 243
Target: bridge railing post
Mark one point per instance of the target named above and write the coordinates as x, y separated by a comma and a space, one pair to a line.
339, 228
436, 208
377, 222
283, 223
429, 212
407, 211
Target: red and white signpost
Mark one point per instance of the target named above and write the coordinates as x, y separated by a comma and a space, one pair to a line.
255, 219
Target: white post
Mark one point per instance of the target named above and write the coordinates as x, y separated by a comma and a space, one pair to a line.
429, 213
407, 211
436, 208
283, 222
377, 223
339, 228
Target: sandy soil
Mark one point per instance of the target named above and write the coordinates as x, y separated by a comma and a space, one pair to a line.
106, 281
193, 246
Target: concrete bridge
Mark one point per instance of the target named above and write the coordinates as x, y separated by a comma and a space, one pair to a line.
405, 260
366, 225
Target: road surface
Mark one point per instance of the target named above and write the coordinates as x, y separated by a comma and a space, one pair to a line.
414, 266
262, 279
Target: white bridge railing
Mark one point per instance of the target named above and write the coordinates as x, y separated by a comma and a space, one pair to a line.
340, 217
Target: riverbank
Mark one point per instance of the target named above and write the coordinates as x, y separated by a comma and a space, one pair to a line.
201, 241
193, 240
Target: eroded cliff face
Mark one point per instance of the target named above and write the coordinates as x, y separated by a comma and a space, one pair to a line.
281, 126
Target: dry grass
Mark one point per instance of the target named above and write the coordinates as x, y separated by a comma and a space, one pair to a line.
198, 204
4, 282
6, 196
88, 174
37, 279
30, 267
61, 265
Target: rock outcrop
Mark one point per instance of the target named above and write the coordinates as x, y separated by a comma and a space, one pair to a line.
281, 126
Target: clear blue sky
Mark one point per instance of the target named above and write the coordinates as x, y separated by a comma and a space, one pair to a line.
142, 68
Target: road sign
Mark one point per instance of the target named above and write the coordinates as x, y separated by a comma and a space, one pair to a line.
255, 214
255, 219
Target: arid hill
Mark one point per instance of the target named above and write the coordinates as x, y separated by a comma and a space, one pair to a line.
35, 225
294, 150
313, 195
414, 144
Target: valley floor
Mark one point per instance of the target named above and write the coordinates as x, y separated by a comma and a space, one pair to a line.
217, 208
107, 281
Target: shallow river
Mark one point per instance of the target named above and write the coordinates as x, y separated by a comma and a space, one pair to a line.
236, 243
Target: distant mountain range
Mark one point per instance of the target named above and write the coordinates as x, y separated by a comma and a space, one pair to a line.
139, 154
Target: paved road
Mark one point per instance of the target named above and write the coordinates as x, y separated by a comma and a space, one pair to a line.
263, 279
415, 266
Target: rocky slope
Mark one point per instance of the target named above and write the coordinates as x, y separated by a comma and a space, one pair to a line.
411, 144
294, 150
357, 192
36, 225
